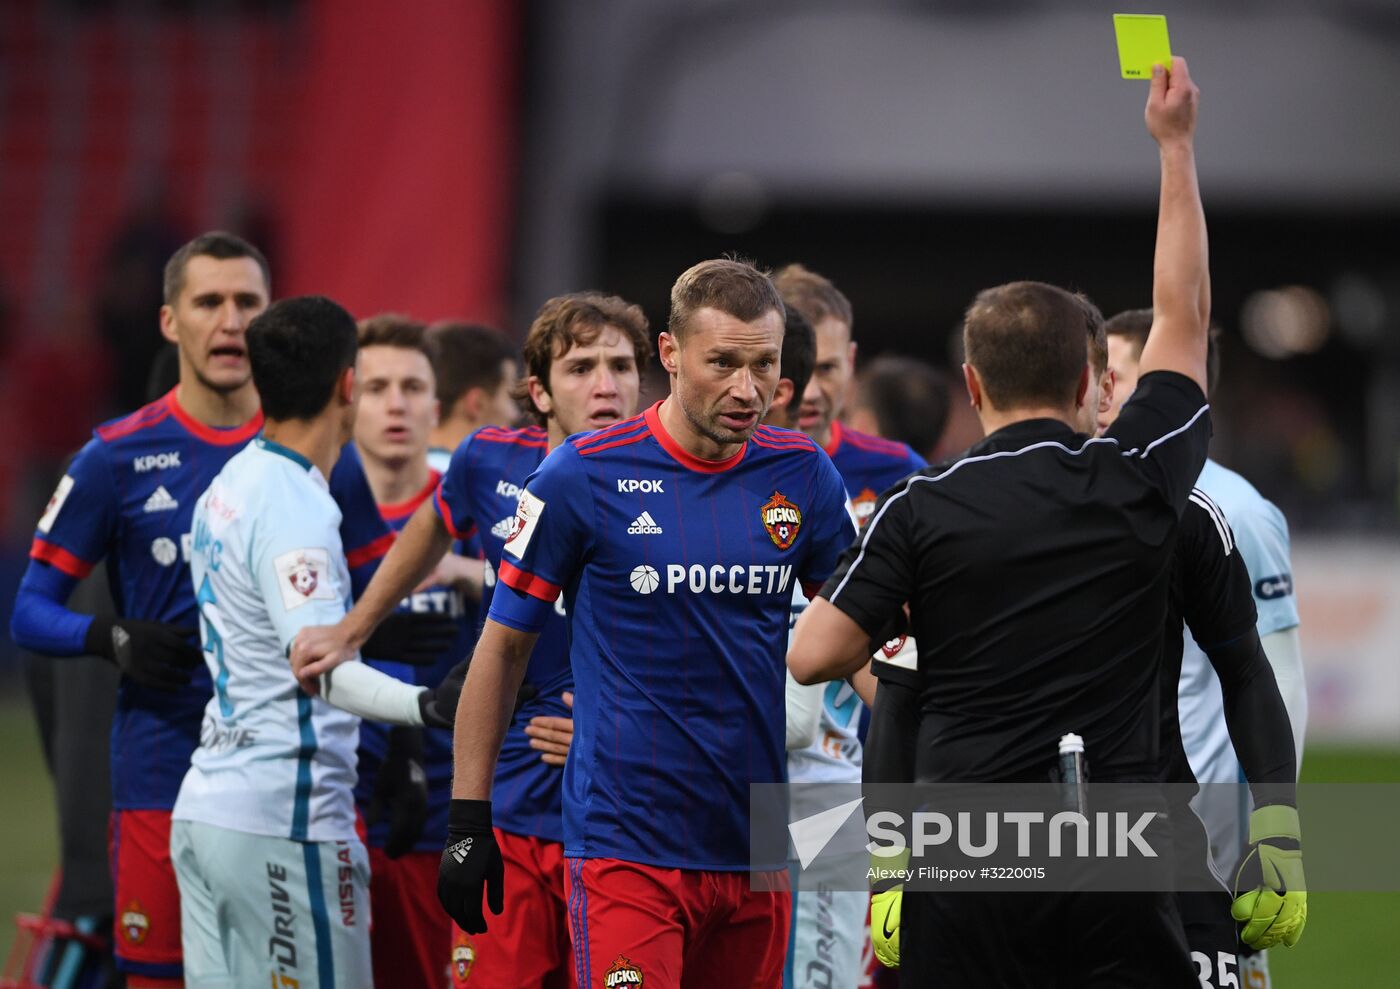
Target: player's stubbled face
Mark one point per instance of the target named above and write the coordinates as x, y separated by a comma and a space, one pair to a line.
397, 408
595, 385
217, 301
727, 372
826, 391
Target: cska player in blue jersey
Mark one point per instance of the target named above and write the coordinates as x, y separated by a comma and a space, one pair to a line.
676, 538
868, 464
128, 498
404, 774
583, 356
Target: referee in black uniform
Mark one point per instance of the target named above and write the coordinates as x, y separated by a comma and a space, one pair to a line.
1036, 572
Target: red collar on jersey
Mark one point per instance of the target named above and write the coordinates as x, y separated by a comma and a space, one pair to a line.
218, 437
683, 456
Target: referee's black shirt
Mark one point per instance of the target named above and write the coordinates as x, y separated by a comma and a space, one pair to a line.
1036, 571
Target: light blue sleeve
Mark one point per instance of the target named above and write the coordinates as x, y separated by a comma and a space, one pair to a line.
1261, 533
298, 564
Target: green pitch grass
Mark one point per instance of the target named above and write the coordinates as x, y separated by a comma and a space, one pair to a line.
1350, 939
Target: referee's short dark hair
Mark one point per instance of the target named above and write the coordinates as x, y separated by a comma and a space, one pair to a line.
1026, 340
469, 356
1134, 325
909, 399
299, 348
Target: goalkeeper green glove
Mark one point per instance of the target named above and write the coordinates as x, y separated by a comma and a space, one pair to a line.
1275, 906
885, 901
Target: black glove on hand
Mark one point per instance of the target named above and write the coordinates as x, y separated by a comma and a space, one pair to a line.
151, 653
470, 862
401, 791
417, 639
438, 705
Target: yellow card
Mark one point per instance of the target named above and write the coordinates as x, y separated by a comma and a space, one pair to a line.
1142, 43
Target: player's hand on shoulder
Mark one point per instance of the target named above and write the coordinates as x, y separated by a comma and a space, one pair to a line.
551, 735
318, 649
153, 654
1171, 104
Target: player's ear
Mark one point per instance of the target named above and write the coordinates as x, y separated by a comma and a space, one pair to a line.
782, 395
974, 386
1109, 382
667, 351
539, 395
345, 387
167, 324
1082, 391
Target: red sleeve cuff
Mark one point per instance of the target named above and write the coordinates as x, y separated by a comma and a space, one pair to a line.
369, 552
527, 583
59, 557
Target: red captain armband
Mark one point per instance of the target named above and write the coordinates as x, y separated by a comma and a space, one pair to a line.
527, 583
56, 556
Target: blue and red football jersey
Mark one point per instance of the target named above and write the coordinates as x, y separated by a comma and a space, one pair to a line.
678, 573
869, 465
367, 530
481, 491
128, 498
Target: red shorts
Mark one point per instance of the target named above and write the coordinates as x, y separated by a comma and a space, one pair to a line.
527, 946
640, 926
147, 922
409, 927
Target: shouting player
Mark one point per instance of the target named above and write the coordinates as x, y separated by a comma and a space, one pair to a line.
676, 537
263, 837
128, 498
583, 355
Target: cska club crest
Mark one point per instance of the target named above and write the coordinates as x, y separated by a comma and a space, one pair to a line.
863, 506
135, 924
463, 957
303, 577
622, 975
782, 519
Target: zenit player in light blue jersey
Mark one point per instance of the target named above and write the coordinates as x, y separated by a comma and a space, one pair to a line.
583, 357
676, 538
272, 876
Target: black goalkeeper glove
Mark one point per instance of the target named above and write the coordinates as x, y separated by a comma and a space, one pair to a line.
151, 653
418, 639
401, 792
471, 863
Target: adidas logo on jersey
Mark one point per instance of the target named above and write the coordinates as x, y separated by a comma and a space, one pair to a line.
160, 501
501, 530
644, 525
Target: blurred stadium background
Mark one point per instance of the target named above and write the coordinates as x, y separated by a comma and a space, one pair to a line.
471, 157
